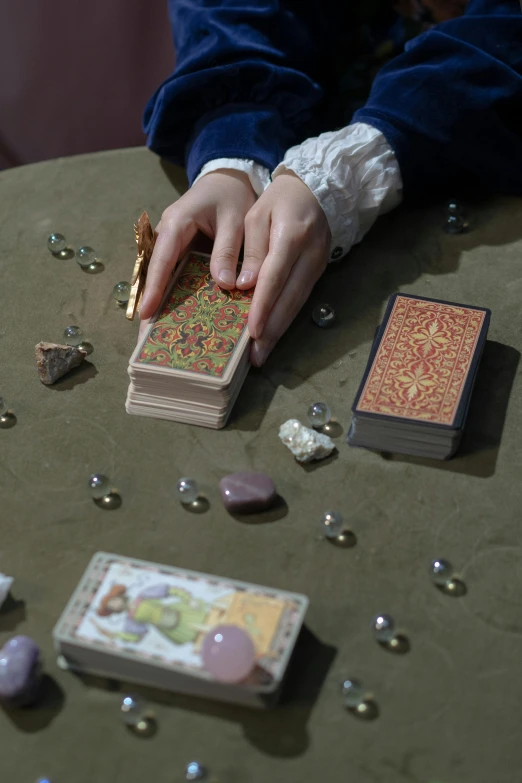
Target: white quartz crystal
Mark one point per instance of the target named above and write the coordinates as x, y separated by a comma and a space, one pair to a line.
304, 443
6, 583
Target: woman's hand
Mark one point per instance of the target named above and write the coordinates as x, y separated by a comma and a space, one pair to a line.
287, 240
216, 205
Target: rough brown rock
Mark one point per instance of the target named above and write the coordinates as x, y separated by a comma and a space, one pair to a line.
53, 361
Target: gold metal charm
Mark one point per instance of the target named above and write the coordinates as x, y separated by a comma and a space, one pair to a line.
145, 239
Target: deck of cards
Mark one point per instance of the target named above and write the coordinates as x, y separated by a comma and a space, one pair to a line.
146, 623
416, 390
192, 361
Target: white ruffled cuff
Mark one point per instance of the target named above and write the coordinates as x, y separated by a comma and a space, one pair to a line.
258, 175
354, 175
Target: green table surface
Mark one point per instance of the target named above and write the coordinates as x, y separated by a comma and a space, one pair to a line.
450, 708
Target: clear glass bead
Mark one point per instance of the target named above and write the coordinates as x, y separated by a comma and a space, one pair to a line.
353, 692
99, 485
454, 224
134, 712
72, 335
86, 346
383, 627
332, 524
3, 407
454, 207
188, 490
86, 256
319, 414
441, 572
195, 771
323, 315
121, 292
56, 243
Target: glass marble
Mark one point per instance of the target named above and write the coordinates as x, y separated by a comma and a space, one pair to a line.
383, 626
228, 653
353, 692
332, 524
3, 407
56, 243
188, 490
86, 347
323, 315
72, 335
319, 414
441, 572
85, 256
454, 224
134, 712
195, 771
454, 207
121, 292
99, 485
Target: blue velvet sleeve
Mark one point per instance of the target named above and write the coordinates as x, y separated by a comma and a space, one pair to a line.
243, 86
451, 104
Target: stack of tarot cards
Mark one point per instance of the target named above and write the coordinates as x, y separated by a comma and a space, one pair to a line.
192, 361
145, 623
416, 390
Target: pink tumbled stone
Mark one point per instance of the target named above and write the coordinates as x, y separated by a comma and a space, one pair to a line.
228, 653
247, 492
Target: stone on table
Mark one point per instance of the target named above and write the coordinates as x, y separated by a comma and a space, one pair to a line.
304, 443
53, 361
20, 671
247, 491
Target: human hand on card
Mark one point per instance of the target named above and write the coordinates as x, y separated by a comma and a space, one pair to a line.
286, 239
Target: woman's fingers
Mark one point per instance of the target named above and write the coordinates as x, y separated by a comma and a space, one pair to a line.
303, 276
225, 252
177, 231
257, 240
284, 250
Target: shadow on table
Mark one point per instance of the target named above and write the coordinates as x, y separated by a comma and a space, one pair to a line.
478, 452
280, 731
49, 703
78, 375
12, 613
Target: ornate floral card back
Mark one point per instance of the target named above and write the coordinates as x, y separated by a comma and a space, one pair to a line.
199, 326
424, 365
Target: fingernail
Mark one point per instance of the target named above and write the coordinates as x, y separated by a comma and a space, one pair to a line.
244, 277
260, 354
226, 276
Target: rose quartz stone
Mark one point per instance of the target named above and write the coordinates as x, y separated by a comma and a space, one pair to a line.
228, 653
247, 491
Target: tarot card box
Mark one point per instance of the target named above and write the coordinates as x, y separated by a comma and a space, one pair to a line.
144, 622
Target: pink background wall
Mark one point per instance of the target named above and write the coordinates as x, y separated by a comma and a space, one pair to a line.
75, 74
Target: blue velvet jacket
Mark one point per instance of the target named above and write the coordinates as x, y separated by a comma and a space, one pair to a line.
254, 77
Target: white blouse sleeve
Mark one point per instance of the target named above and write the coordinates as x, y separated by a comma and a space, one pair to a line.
258, 175
355, 177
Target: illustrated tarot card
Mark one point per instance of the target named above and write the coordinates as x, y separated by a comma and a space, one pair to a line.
159, 615
200, 330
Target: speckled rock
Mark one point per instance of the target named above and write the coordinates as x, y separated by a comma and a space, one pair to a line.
54, 361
